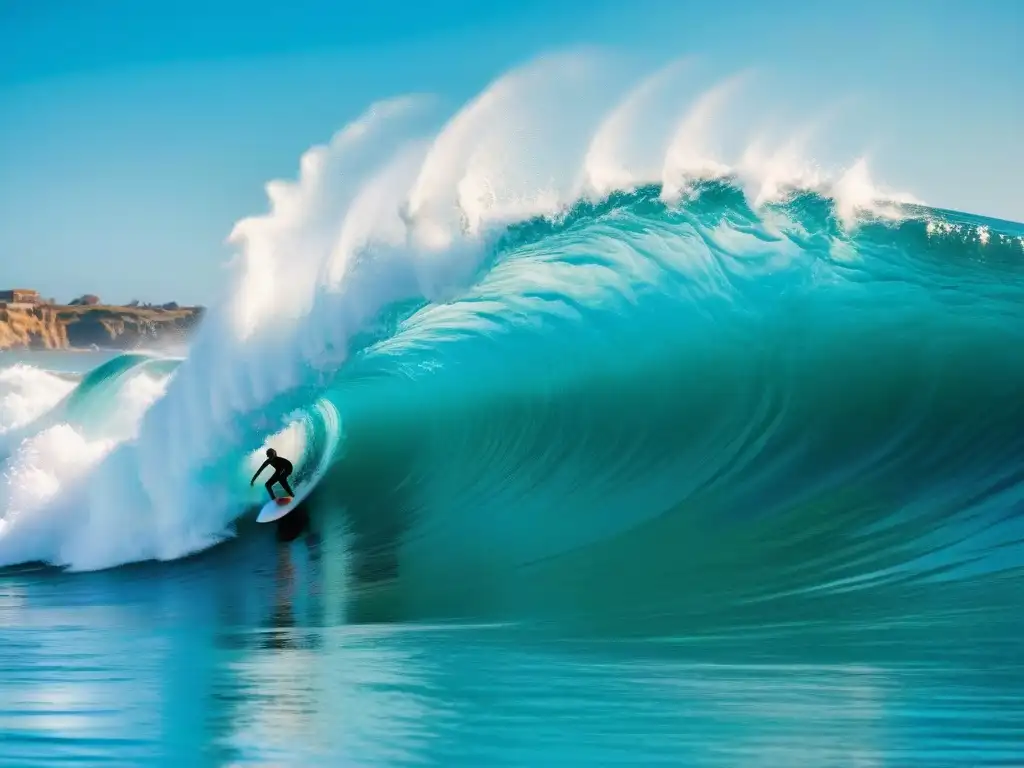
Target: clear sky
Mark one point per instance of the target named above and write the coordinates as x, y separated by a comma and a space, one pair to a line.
134, 134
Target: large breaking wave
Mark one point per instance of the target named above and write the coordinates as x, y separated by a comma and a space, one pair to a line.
554, 367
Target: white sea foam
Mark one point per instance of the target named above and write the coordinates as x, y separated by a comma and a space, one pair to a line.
27, 392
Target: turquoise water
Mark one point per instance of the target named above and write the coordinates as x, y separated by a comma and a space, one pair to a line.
639, 480
246, 656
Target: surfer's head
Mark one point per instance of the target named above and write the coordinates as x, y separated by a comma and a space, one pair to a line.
271, 453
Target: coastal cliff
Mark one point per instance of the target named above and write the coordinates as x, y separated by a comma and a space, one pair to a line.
85, 327
36, 328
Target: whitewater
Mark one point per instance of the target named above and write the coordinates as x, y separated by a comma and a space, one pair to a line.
528, 340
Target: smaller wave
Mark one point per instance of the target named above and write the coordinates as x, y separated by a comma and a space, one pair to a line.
27, 392
55, 434
37, 399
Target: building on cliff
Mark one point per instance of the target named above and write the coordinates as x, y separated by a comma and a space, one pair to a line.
18, 298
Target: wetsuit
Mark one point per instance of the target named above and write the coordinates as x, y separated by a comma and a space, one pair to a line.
282, 470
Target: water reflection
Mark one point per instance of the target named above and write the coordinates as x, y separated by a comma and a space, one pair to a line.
491, 696
242, 657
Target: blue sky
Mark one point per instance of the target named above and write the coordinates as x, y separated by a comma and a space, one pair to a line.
134, 134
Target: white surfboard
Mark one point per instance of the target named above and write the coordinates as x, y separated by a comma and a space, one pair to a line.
277, 508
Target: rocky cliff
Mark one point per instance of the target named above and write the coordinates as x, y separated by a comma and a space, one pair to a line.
108, 327
38, 328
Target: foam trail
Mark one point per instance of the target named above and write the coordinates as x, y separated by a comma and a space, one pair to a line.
690, 154
374, 219
371, 265
511, 153
771, 175
619, 155
856, 193
284, 250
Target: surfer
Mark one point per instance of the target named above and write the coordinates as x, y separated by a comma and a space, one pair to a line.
282, 469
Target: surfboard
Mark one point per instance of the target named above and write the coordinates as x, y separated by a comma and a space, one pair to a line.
275, 509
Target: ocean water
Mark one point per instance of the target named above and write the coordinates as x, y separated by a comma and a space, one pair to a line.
715, 466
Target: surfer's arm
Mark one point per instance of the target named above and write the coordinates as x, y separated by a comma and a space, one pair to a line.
263, 466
